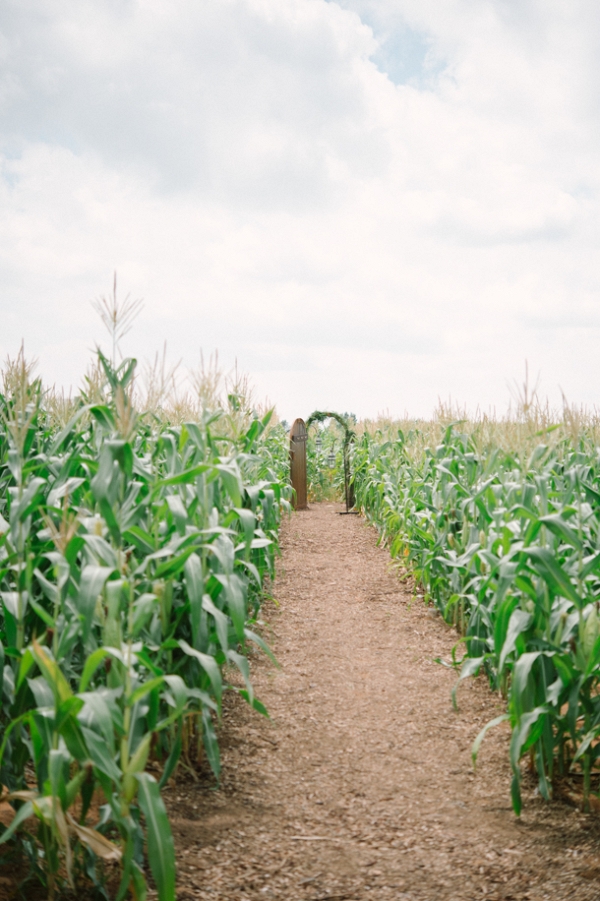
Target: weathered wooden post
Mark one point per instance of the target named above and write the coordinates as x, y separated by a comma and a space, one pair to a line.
298, 437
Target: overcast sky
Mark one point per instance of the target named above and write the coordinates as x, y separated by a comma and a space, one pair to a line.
371, 204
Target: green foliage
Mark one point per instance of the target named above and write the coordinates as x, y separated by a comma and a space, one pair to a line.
323, 463
506, 543
133, 555
328, 455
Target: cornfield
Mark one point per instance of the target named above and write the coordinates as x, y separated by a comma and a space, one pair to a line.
499, 522
136, 541
134, 551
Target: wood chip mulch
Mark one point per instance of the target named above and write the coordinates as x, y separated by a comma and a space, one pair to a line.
360, 786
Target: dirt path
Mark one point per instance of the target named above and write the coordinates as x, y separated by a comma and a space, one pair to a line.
361, 786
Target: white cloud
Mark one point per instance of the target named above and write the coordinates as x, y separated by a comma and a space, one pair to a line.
249, 169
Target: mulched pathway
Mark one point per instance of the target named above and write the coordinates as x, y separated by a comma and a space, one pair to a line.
360, 785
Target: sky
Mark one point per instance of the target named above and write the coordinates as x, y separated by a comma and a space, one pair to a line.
371, 205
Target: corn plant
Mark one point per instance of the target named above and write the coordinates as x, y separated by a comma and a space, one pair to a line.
328, 455
506, 543
323, 462
133, 554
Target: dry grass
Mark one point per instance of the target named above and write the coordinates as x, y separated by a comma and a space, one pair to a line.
160, 390
529, 421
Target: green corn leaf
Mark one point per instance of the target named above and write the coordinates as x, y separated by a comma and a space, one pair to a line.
58, 763
138, 760
143, 609
221, 622
10, 600
178, 512
262, 644
142, 690
555, 576
194, 584
49, 588
470, 667
52, 673
592, 495
557, 524
104, 482
126, 372
211, 745
190, 475
100, 754
25, 666
478, 741
43, 614
591, 632
243, 666
520, 679
593, 660
173, 757
231, 479
178, 691
143, 541
247, 564
110, 519
503, 613
91, 665
519, 623
41, 691
172, 567
104, 416
123, 454
102, 550
586, 741
209, 665
554, 691
97, 709
515, 792
74, 786
591, 564
254, 703
224, 551
92, 582
72, 734
67, 710
64, 489
256, 429
525, 734
236, 603
64, 433
21, 815
29, 499
524, 584
248, 522
146, 660
161, 850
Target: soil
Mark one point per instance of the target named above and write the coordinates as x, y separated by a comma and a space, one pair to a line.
360, 785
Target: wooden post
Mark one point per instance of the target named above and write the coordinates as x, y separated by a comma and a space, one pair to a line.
298, 436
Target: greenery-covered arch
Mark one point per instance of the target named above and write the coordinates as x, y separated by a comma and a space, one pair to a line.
349, 436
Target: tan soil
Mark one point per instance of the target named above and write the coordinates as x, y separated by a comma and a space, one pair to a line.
360, 786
